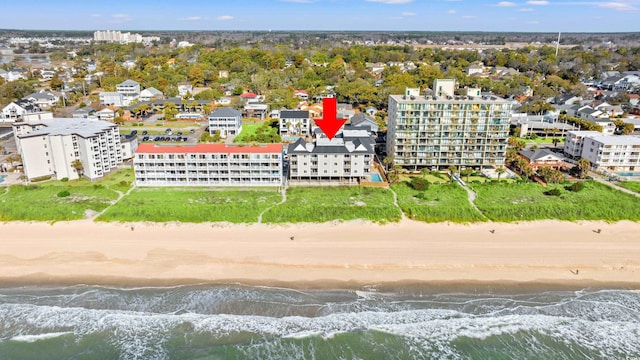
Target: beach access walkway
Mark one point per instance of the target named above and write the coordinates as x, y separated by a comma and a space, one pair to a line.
471, 195
601, 179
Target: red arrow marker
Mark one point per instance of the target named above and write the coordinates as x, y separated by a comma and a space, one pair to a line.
329, 124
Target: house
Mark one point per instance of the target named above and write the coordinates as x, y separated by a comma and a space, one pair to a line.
184, 88
111, 99
17, 109
361, 120
294, 122
84, 113
248, 96
255, 110
150, 94
105, 114
301, 94
568, 99
477, 68
208, 165
371, 111
43, 99
541, 158
226, 120
130, 91
49, 148
223, 74
13, 75
129, 64
47, 74
223, 101
91, 66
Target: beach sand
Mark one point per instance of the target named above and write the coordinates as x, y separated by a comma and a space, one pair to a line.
336, 253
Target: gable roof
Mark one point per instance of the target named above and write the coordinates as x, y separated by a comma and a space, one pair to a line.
225, 112
535, 155
362, 119
129, 83
294, 114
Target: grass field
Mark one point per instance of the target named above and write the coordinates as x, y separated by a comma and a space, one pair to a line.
446, 202
321, 204
631, 185
249, 130
516, 202
194, 205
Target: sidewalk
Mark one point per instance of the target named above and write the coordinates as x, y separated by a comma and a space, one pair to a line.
602, 179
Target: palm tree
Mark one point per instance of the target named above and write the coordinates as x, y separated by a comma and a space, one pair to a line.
452, 171
500, 171
467, 172
78, 166
584, 165
387, 161
555, 141
527, 171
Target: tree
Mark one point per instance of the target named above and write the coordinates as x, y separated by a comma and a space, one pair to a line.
527, 171
555, 141
467, 172
14, 158
387, 161
584, 165
452, 171
78, 166
500, 171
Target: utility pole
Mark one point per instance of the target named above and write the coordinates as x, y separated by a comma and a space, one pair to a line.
558, 44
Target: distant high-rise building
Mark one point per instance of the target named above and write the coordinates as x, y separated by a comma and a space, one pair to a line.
443, 129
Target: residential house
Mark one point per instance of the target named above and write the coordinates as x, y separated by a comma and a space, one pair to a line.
226, 120
255, 110
223, 101
111, 99
84, 113
542, 158
223, 74
50, 147
130, 91
371, 111
294, 122
361, 120
208, 165
129, 64
151, 94
477, 68
301, 94
184, 88
13, 75
106, 114
17, 109
43, 99
91, 66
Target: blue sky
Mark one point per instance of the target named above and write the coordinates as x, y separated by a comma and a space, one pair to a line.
398, 15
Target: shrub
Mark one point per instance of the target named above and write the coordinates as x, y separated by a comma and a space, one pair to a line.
65, 179
552, 192
64, 193
575, 187
419, 184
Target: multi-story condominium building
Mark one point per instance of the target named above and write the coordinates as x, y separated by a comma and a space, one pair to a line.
294, 122
612, 153
50, 147
130, 91
348, 157
208, 165
574, 142
227, 120
444, 130
109, 98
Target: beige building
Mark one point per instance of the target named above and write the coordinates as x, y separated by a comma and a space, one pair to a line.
49, 147
208, 165
437, 131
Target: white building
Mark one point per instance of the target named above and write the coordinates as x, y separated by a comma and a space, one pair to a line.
50, 147
130, 91
208, 165
227, 120
129, 145
106, 114
184, 88
43, 99
444, 130
17, 110
151, 94
574, 142
344, 158
612, 153
294, 122
109, 98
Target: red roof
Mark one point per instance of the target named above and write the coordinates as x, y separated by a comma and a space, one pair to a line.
301, 92
248, 95
148, 148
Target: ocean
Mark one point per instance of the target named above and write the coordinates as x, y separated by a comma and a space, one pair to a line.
234, 321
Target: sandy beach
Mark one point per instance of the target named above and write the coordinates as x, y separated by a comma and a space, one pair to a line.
352, 252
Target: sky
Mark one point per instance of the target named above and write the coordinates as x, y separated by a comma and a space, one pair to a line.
372, 15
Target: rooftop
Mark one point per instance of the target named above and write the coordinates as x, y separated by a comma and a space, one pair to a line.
490, 99
148, 148
617, 140
66, 126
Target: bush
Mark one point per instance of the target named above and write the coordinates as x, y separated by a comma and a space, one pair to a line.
575, 187
419, 184
552, 192
64, 193
65, 179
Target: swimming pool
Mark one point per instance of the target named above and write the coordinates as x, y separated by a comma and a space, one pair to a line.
628, 174
376, 178
2, 177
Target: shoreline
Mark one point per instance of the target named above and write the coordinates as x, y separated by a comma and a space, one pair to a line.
329, 255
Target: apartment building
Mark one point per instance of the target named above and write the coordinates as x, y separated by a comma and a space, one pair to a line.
612, 153
294, 122
208, 165
446, 129
348, 157
49, 147
227, 120
574, 142
130, 91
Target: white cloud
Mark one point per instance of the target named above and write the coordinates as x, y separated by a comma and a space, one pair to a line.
451, 11
120, 18
505, 4
525, 9
409, 14
225, 17
392, 2
538, 2
191, 18
618, 6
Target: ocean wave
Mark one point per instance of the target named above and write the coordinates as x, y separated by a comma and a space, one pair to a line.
36, 337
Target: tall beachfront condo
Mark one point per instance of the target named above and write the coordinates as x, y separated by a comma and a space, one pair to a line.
50, 147
444, 129
208, 165
619, 154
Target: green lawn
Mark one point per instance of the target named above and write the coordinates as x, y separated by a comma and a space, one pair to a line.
434, 179
631, 185
195, 205
321, 204
446, 202
515, 202
249, 131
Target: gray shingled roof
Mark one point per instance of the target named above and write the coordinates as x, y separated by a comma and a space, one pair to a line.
535, 155
225, 112
129, 83
64, 126
294, 114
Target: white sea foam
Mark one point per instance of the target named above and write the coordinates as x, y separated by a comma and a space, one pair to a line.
34, 338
